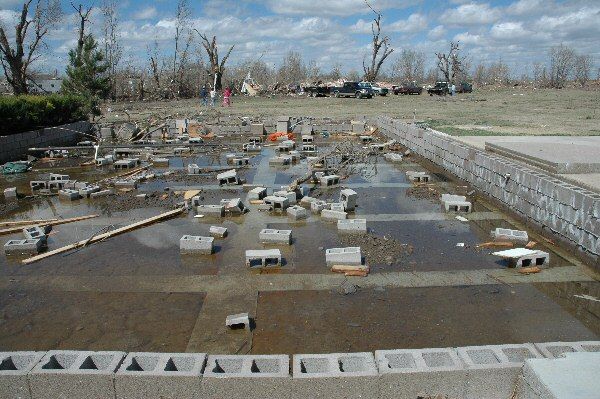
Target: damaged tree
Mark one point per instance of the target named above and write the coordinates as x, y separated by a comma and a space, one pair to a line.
381, 48
451, 64
29, 38
216, 68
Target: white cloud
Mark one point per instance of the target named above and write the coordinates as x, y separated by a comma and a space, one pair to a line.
524, 7
361, 26
10, 4
471, 14
468, 38
508, 31
414, 23
437, 33
333, 7
146, 13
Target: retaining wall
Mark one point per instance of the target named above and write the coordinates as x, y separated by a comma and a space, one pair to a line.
571, 212
476, 372
15, 146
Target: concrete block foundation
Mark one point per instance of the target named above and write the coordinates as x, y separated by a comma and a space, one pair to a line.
14, 368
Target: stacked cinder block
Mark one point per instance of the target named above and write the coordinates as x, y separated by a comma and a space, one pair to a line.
318, 205
493, 370
331, 214
247, 376
558, 349
75, 374
68, 194
335, 375
409, 373
14, 370
160, 375
569, 211
257, 193
211, 210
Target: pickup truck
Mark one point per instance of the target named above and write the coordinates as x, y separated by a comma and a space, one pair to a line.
440, 88
352, 89
382, 91
408, 88
316, 91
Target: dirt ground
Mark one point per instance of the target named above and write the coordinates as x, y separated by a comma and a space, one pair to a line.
484, 112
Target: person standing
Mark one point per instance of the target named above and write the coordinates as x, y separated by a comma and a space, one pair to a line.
227, 97
453, 90
204, 96
213, 97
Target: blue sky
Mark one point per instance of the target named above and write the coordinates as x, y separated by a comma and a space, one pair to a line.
518, 32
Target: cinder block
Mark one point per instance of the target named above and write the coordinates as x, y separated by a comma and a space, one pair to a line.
318, 205
331, 214
14, 368
24, 247
335, 375
160, 376
74, 374
348, 199
510, 235
277, 203
87, 191
493, 370
297, 212
218, 231
558, 349
349, 256
410, 373
68, 194
10, 193
257, 193
196, 244
354, 226
247, 376
102, 193
211, 210
263, 258
274, 236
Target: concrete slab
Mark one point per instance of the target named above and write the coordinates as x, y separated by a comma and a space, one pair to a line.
576, 376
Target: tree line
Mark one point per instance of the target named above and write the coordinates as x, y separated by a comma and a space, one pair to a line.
98, 69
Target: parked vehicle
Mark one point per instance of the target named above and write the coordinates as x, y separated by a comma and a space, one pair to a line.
382, 91
464, 87
317, 91
440, 88
407, 89
352, 89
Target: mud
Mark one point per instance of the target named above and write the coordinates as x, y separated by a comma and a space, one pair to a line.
380, 250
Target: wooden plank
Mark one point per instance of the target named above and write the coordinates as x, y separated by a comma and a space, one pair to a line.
29, 222
104, 236
12, 230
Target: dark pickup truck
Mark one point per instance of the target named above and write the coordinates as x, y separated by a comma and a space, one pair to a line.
316, 91
409, 88
352, 89
440, 88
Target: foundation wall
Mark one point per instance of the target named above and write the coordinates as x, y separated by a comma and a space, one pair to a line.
15, 146
571, 212
474, 372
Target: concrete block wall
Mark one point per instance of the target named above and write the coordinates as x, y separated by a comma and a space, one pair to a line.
15, 146
475, 372
569, 211
271, 127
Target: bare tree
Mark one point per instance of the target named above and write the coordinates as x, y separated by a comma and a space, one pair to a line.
381, 48
451, 65
540, 75
83, 18
409, 66
562, 61
182, 32
216, 68
583, 68
112, 46
16, 58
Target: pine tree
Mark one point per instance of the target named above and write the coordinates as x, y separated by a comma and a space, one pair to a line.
86, 74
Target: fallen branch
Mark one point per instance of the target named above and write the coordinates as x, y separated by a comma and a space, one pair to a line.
104, 236
18, 229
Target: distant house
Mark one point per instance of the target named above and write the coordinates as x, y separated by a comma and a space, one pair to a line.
45, 85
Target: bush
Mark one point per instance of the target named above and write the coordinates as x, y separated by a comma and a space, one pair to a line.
23, 113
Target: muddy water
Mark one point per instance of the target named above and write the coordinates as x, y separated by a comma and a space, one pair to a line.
327, 321
287, 322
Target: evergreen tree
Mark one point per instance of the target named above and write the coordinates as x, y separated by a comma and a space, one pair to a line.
86, 74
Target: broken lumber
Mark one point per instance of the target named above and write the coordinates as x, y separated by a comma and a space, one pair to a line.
530, 244
529, 270
18, 229
104, 236
349, 268
492, 244
28, 222
356, 274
